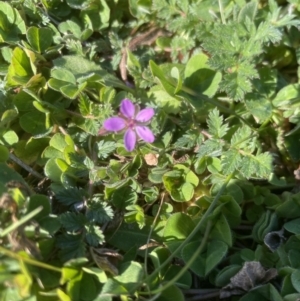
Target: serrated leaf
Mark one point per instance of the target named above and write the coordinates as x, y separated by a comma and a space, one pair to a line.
211, 148
259, 166
231, 160
240, 138
72, 221
71, 246
259, 106
215, 124
105, 148
70, 196
99, 212
94, 235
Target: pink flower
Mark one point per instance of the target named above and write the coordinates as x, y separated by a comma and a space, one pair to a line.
134, 123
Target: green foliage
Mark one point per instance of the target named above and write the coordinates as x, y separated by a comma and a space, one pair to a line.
215, 195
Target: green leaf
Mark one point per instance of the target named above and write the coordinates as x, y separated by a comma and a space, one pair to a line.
8, 174
293, 226
260, 165
211, 147
223, 277
165, 101
94, 235
172, 293
35, 123
287, 95
159, 75
248, 11
231, 160
295, 278
240, 138
12, 25
200, 77
131, 273
52, 170
215, 124
4, 153
39, 200
216, 250
99, 212
63, 75
123, 197
221, 230
178, 227
19, 71
198, 266
72, 222
259, 106
105, 148
39, 38
71, 246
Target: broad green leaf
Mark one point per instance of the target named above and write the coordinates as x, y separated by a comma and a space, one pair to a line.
70, 91
7, 174
134, 236
295, 278
11, 23
8, 116
98, 16
221, 230
160, 77
223, 277
187, 190
163, 100
39, 38
293, 226
184, 282
200, 77
216, 250
178, 227
176, 74
70, 26
39, 200
34, 122
264, 292
130, 274
287, 95
172, 293
52, 170
198, 266
19, 71
63, 75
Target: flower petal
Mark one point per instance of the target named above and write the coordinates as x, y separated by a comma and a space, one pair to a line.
114, 124
145, 115
127, 108
130, 140
145, 133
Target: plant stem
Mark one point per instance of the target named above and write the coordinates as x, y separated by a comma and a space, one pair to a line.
29, 260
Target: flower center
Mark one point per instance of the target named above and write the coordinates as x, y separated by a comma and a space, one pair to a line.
131, 123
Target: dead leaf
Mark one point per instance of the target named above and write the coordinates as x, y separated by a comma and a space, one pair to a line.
151, 159
251, 275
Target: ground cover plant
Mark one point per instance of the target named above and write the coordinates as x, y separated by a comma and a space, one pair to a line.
149, 150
